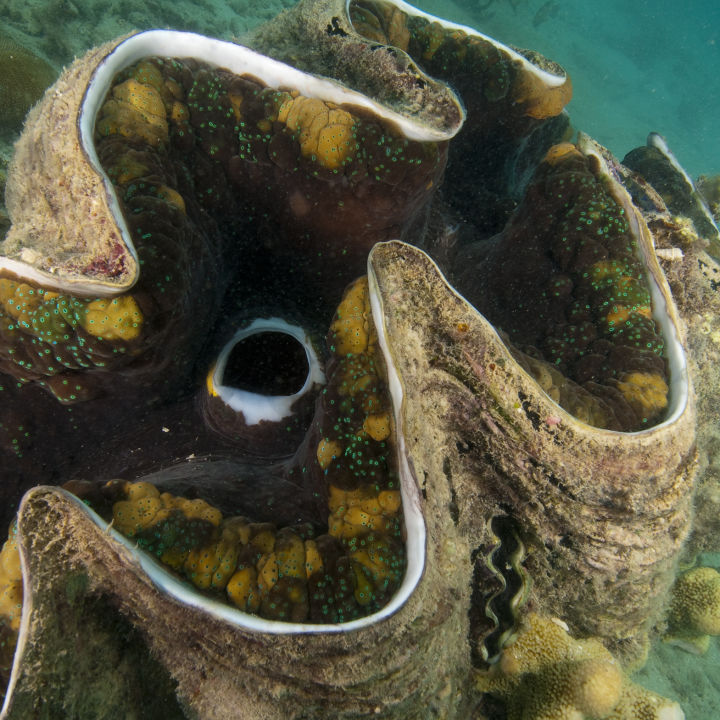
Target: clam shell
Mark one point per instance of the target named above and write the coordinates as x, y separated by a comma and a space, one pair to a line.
78, 234
693, 274
511, 100
603, 514
379, 668
657, 164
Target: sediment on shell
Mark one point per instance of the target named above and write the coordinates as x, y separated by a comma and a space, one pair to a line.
603, 515
334, 675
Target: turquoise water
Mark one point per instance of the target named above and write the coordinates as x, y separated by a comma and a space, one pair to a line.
636, 67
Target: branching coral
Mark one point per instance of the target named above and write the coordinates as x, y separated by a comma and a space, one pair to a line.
548, 675
695, 609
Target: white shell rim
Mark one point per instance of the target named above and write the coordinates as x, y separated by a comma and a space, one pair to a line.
271, 408
658, 142
23, 630
679, 381
548, 78
186, 594
236, 58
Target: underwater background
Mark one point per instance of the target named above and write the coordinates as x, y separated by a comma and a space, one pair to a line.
636, 67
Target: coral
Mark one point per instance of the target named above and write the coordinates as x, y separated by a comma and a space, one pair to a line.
117, 319
237, 194
326, 133
564, 476
694, 613
135, 112
545, 674
51, 334
257, 565
350, 327
25, 77
11, 597
467, 59
191, 149
659, 167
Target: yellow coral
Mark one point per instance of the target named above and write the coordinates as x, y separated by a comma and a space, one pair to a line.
290, 556
324, 131
545, 674
172, 196
116, 319
242, 589
559, 152
695, 609
125, 168
377, 426
136, 111
212, 566
146, 506
132, 516
327, 451
646, 393
196, 509
537, 99
11, 591
350, 329
313, 559
356, 512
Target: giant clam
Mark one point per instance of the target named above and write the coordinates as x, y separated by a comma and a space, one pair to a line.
454, 474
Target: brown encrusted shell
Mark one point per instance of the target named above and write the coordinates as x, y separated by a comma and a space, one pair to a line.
402, 56
194, 200
603, 514
57, 201
317, 36
694, 277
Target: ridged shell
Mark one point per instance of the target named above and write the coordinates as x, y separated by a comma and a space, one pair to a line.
603, 514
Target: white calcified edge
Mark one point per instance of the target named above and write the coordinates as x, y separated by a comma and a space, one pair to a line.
186, 594
679, 382
679, 385
233, 57
412, 506
236, 58
23, 631
548, 78
253, 406
28, 272
659, 143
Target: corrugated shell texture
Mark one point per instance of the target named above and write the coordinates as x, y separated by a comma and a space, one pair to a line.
57, 201
603, 514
